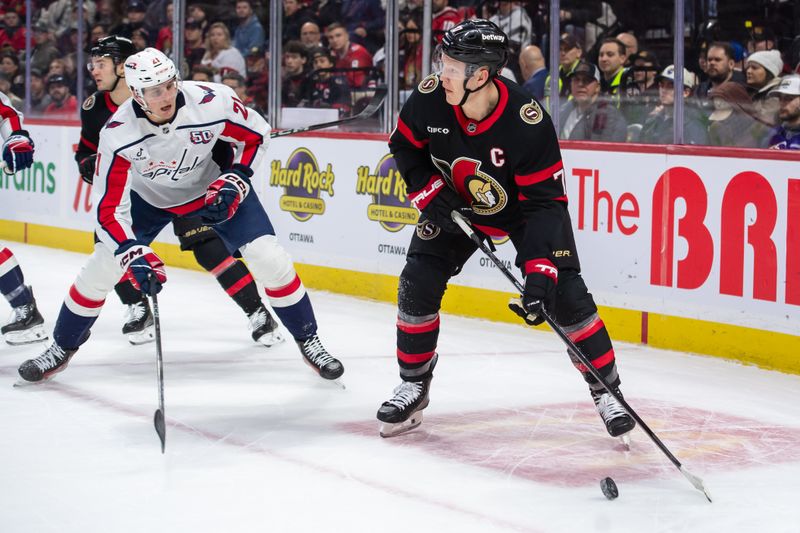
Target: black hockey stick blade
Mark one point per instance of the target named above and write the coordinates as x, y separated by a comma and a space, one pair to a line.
462, 223
161, 428
372, 107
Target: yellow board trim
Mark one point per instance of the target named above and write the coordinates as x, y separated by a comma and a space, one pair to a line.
766, 349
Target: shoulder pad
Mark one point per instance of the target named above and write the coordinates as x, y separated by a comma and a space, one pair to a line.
88, 103
531, 112
429, 84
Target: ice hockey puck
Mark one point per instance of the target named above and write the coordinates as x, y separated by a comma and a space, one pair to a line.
609, 488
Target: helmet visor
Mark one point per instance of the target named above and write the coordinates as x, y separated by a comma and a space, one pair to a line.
445, 66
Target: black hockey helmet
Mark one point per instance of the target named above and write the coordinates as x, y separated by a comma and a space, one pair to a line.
477, 42
116, 47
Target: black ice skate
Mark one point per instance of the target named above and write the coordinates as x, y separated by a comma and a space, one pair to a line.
25, 326
618, 422
403, 411
264, 328
138, 325
317, 357
51, 362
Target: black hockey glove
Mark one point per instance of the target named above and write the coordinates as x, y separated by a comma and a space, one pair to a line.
86, 168
225, 194
436, 201
540, 292
17, 152
142, 265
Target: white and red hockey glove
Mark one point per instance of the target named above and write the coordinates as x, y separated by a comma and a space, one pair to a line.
17, 152
225, 194
541, 278
436, 201
142, 266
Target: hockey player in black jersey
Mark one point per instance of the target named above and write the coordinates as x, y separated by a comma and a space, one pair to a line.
470, 142
106, 68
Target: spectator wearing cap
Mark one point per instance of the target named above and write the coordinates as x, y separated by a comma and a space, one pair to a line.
631, 46
444, 18
295, 87
295, 14
639, 90
61, 15
63, 104
761, 39
311, 35
328, 89
515, 22
586, 116
39, 97
348, 55
734, 121
762, 71
134, 20
248, 32
533, 69
44, 50
13, 32
786, 136
658, 128
570, 54
220, 54
194, 47
720, 60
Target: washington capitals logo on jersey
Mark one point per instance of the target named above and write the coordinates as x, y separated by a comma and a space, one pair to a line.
208, 96
113, 124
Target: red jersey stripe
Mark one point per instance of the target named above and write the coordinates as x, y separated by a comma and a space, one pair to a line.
88, 143
239, 285
223, 266
538, 176
251, 139
11, 114
5, 255
187, 208
403, 128
598, 363
590, 329
107, 210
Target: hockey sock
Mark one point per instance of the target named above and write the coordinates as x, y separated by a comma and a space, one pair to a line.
232, 275
416, 344
591, 336
12, 281
293, 307
128, 294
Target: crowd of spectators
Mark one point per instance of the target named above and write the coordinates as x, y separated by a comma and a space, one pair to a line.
616, 78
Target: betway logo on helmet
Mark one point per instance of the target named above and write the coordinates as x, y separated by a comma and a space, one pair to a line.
303, 182
390, 205
492, 37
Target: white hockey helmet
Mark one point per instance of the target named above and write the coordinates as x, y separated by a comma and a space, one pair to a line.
148, 68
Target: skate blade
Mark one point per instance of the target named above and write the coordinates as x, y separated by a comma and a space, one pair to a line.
388, 430
271, 339
626, 441
142, 337
28, 336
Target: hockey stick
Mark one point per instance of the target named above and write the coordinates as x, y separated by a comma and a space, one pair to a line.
158, 417
377, 100
467, 229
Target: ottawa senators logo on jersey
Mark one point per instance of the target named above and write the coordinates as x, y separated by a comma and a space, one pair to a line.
429, 84
531, 113
88, 103
486, 195
427, 230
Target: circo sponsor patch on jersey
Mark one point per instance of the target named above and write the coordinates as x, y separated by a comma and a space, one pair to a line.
429, 84
531, 113
88, 103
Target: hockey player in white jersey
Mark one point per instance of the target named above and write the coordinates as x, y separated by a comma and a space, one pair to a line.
177, 148
26, 323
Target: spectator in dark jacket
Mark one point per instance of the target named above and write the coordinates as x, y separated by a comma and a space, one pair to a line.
658, 128
248, 32
533, 70
295, 14
586, 117
365, 21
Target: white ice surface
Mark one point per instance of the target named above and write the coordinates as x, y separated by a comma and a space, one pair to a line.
257, 442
